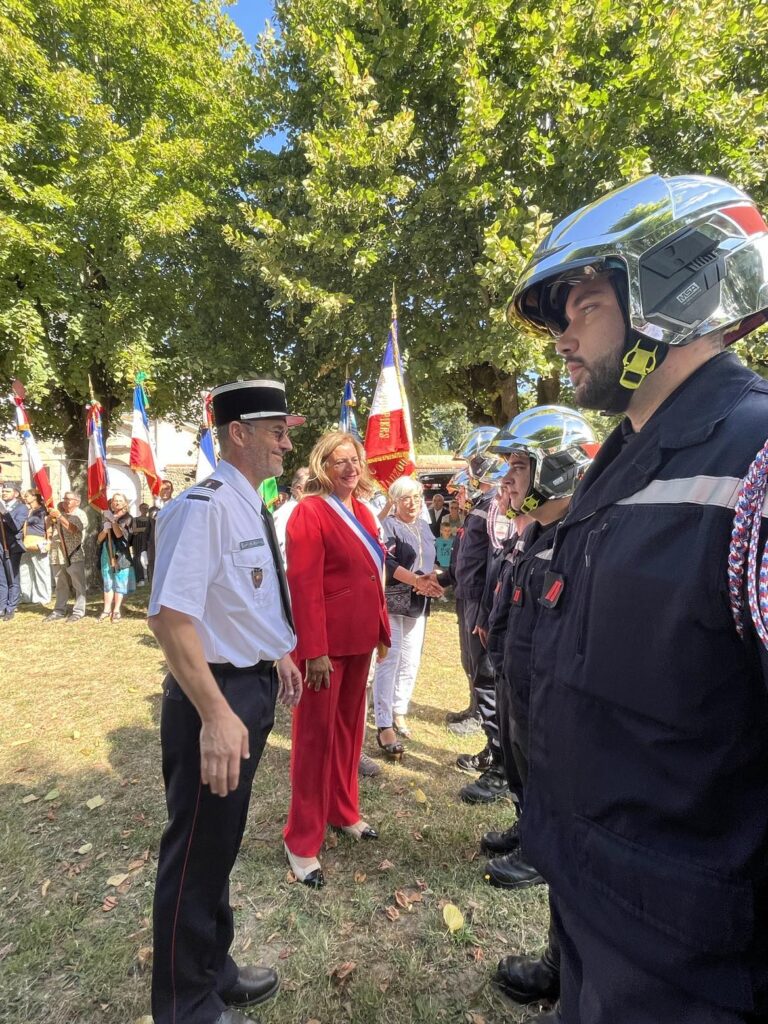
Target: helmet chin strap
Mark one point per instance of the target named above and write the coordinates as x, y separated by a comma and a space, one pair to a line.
641, 357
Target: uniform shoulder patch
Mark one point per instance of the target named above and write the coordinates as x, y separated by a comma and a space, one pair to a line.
197, 497
210, 484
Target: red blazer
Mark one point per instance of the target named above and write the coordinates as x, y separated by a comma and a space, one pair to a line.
336, 593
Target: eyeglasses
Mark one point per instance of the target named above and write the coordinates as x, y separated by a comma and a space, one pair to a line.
279, 433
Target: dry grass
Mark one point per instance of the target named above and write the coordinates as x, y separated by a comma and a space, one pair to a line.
79, 720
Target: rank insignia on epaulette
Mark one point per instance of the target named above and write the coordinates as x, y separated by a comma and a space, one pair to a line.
211, 485
554, 585
517, 597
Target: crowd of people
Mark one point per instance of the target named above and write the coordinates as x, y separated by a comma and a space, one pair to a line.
612, 618
44, 552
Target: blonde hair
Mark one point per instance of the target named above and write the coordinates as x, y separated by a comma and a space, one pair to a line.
319, 482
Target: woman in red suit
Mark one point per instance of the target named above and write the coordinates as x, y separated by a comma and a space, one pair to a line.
335, 564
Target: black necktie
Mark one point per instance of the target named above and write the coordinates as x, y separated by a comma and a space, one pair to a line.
274, 547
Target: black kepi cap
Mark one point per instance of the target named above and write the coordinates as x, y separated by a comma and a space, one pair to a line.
252, 400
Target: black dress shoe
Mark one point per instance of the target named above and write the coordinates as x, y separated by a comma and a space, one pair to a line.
479, 762
461, 716
254, 985
510, 871
492, 785
496, 843
546, 1018
234, 1017
527, 979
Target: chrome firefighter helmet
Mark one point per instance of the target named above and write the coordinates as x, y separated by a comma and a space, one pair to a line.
560, 444
461, 480
687, 256
474, 450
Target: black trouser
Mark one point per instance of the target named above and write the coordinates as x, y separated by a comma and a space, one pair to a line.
480, 675
463, 652
193, 926
513, 741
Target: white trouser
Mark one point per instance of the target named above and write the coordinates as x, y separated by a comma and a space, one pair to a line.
396, 674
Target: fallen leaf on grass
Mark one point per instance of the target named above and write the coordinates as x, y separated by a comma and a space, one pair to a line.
475, 1018
109, 904
402, 900
360, 877
246, 944
418, 837
340, 972
7, 950
75, 734
414, 896
94, 802
290, 878
146, 1019
29, 798
312, 1020
392, 913
453, 917
477, 954
420, 796
285, 953
331, 842
386, 865
52, 794
144, 957
116, 880
45, 887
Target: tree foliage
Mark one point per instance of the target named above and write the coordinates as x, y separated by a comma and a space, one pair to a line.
432, 142
123, 130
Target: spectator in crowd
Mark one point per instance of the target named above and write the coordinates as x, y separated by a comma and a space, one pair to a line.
13, 515
335, 562
410, 584
115, 556
141, 527
437, 512
68, 524
444, 544
284, 512
35, 568
164, 498
455, 516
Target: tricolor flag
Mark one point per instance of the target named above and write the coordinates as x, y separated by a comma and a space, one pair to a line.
142, 457
37, 470
268, 492
388, 434
206, 456
98, 477
347, 418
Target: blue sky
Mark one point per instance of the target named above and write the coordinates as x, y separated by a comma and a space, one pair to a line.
250, 15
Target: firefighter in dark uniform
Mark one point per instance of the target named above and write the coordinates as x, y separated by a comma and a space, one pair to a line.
646, 806
220, 609
547, 450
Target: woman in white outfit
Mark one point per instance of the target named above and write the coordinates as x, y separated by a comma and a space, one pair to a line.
410, 585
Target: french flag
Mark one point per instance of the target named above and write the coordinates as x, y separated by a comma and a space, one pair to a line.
98, 477
388, 433
142, 457
37, 470
206, 455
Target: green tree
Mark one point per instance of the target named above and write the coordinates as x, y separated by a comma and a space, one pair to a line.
432, 143
124, 128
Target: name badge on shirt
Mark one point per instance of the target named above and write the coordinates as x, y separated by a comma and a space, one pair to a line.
257, 542
257, 575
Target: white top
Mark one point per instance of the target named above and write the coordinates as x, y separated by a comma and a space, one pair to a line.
213, 562
281, 517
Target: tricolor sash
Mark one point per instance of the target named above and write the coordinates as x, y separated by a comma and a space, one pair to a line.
371, 544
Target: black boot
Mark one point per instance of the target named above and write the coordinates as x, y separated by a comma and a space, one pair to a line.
496, 843
475, 762
492, 785
461, 716
510, 871
527, 979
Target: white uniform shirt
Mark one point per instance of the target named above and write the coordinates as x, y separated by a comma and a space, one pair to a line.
213, 562
281, 517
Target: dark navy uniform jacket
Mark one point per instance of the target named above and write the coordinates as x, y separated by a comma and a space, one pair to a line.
516, 610
472, 555
647, 801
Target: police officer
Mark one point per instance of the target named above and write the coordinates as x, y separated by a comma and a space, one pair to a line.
547, 451
221, 612
647, 797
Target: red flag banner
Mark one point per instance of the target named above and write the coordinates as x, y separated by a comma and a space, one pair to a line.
37, 470
388, 434
98, 479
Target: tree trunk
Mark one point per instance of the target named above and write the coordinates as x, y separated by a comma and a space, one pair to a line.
547, 390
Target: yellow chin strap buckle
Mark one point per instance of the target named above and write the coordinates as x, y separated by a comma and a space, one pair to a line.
531, 502
638, 363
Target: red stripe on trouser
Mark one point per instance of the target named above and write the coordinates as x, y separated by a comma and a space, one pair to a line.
178, 901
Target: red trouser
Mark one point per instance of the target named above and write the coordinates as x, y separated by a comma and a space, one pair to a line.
326, 743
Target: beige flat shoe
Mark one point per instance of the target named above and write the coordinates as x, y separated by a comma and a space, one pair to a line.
362, 830
310, 874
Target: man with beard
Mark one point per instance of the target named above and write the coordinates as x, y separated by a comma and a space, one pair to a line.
647, 796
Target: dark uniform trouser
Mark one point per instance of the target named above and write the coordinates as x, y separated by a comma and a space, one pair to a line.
464, 653
481, 675
600, 986
193, 926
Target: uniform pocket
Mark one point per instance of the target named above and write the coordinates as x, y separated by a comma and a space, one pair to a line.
693, 904
331, 595
254, 572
